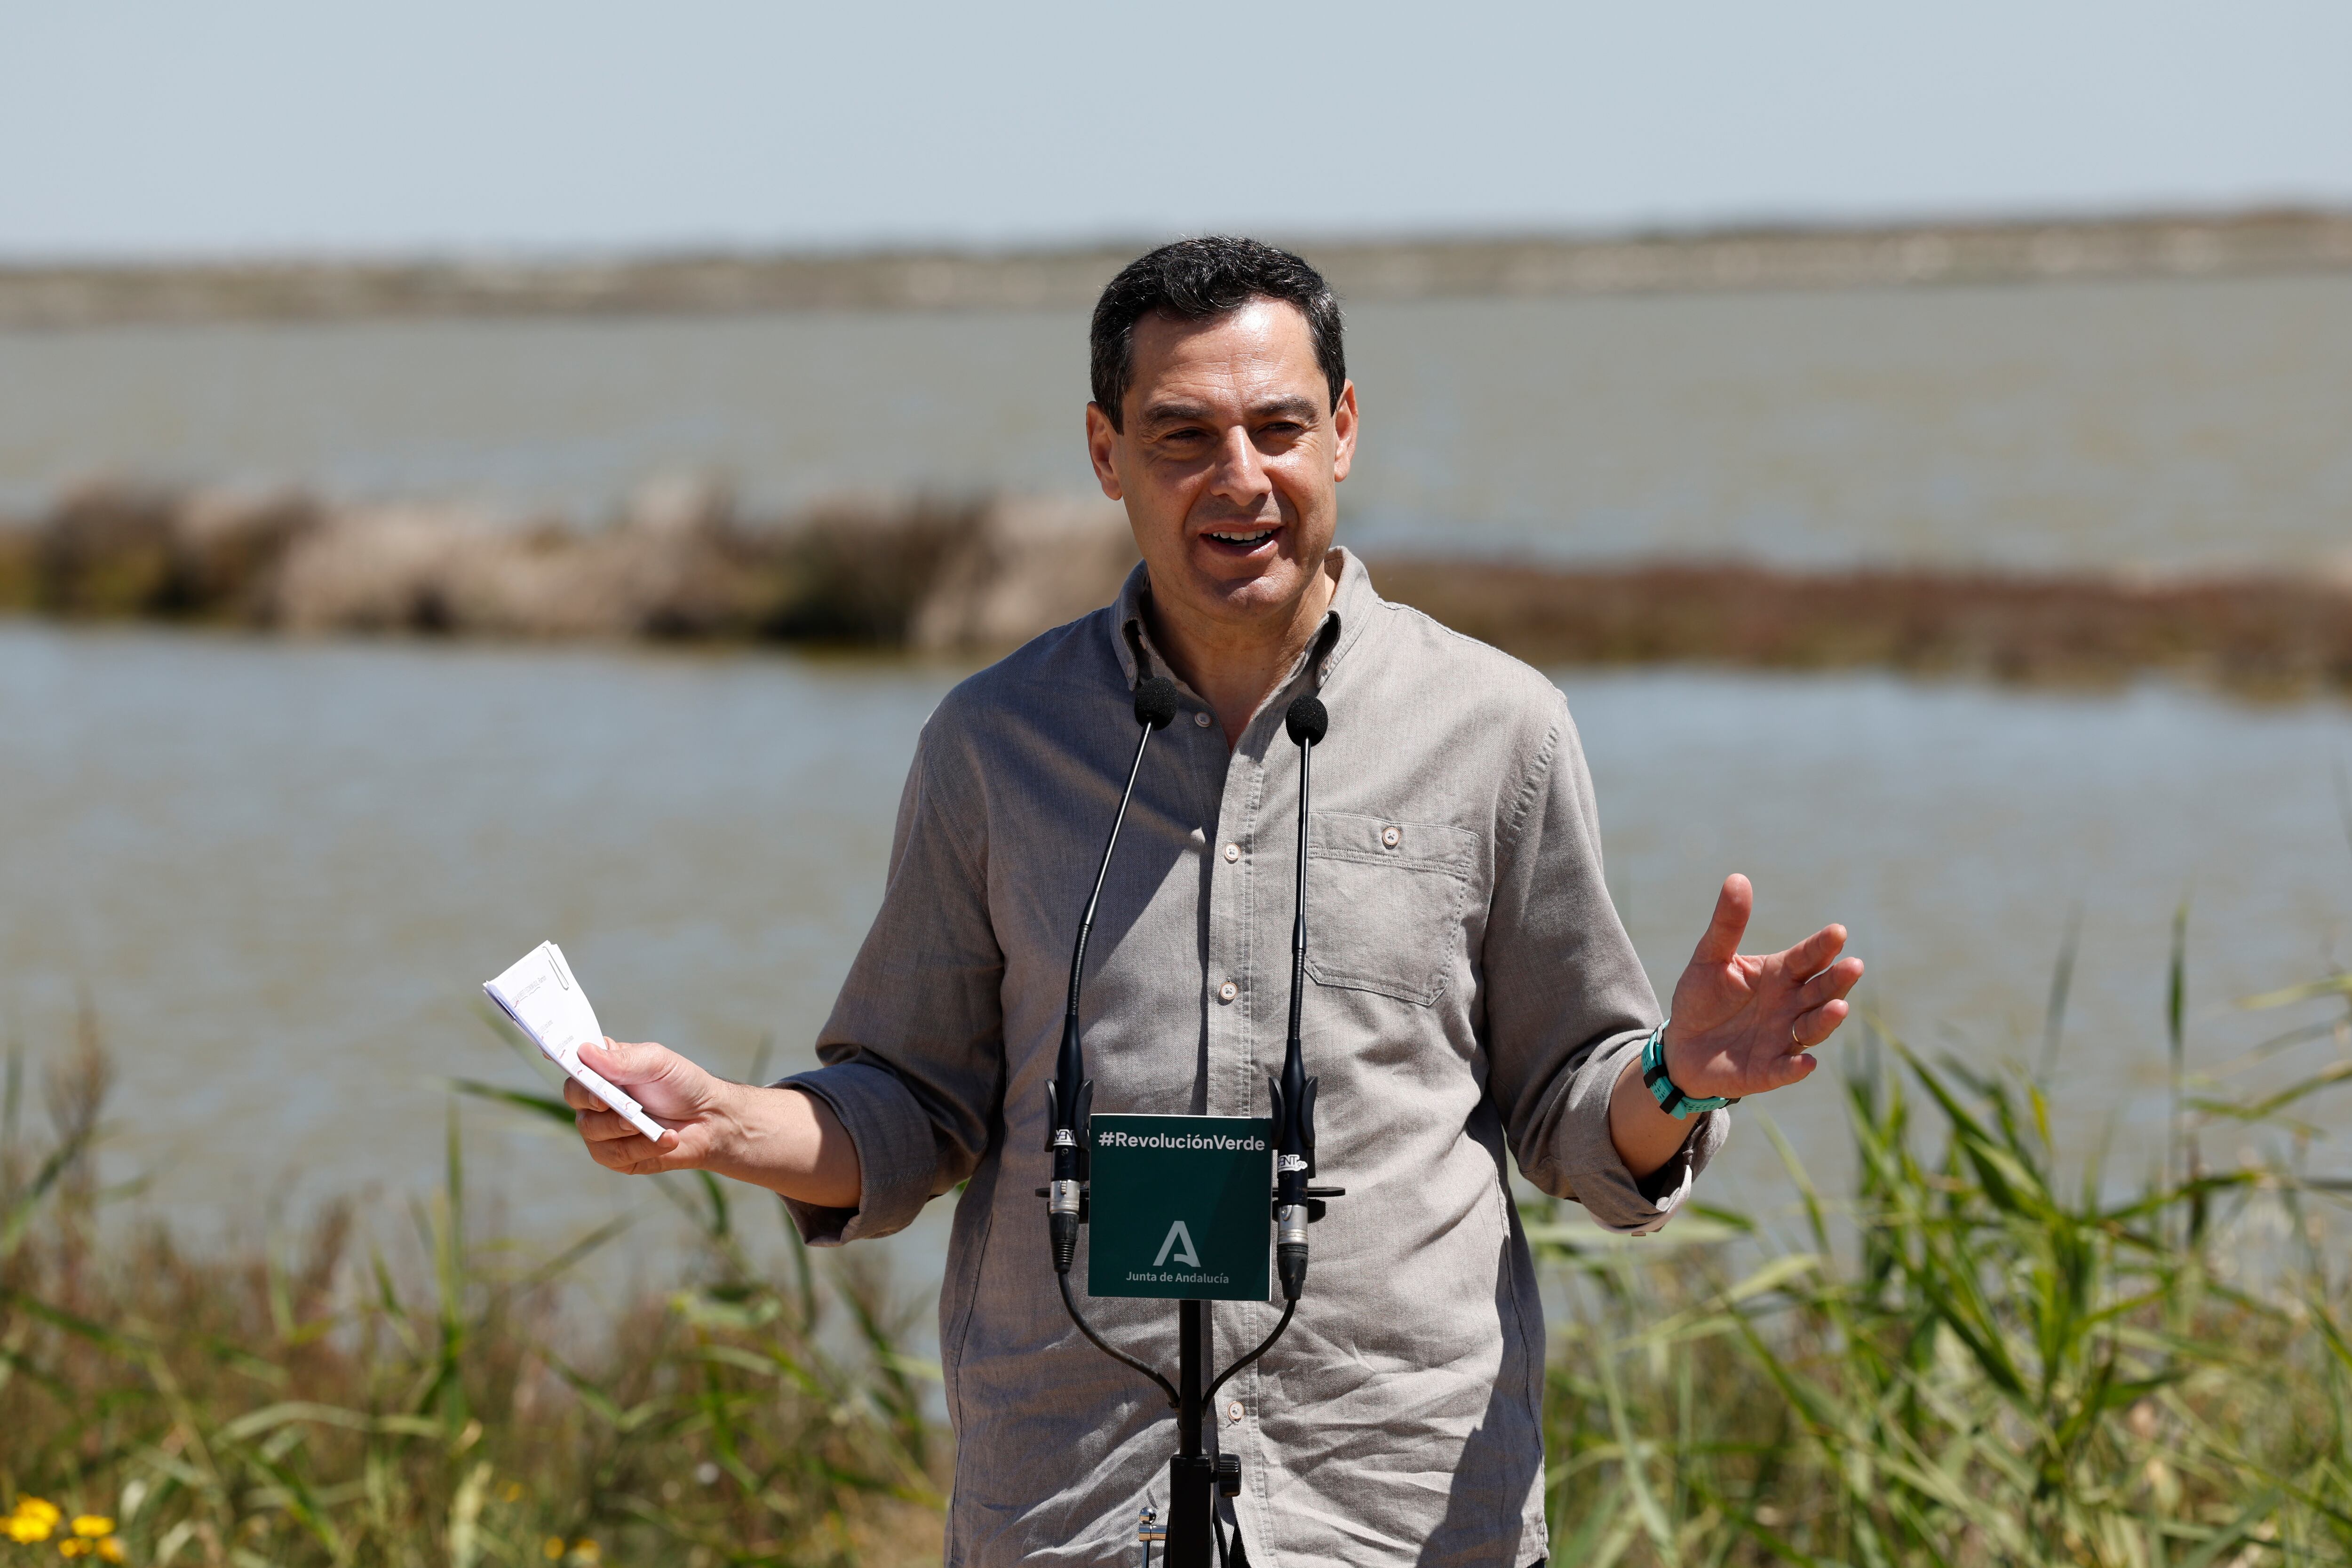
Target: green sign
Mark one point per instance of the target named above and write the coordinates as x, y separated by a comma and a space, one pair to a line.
1180, 1207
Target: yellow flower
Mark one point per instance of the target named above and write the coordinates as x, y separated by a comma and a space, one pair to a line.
511, 1492
553, 1549
110, 1549
72, 1547
585, 1553
33, 1521
91, 1524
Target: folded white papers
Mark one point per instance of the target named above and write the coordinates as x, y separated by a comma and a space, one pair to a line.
548, 1005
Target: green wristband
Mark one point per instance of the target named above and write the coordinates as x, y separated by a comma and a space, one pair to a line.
1671, 1100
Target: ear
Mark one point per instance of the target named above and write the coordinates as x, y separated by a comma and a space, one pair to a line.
1102, 443
1343, 433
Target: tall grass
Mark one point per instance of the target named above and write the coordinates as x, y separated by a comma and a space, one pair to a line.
1985, 1355
1980, 1361
304, 1403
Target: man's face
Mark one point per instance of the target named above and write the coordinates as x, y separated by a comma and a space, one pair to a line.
1230, 461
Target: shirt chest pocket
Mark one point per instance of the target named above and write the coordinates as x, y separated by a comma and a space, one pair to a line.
1384, 900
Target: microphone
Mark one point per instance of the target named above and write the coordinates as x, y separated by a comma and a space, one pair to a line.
1293, 1093
1069, 1097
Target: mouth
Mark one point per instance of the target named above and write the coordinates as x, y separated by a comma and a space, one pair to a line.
1240, 541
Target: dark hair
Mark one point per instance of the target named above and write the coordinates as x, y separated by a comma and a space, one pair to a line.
1196, 279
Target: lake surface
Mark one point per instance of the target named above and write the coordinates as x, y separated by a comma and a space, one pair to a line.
279, 870
2059, 425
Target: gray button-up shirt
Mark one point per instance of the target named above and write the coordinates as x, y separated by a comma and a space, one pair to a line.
1472, 992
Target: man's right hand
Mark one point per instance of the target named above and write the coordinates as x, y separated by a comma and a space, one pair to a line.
675, 1092
781, 1139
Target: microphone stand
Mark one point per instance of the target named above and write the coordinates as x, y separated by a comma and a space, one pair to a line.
1194, 1481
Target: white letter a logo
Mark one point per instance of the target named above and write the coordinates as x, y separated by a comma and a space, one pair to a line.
1179, 1241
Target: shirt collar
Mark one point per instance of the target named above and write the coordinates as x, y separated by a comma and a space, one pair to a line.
1342, 623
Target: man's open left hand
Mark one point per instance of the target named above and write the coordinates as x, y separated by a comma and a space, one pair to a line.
1742, 1024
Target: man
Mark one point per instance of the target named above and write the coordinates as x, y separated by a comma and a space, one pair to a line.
1470, 988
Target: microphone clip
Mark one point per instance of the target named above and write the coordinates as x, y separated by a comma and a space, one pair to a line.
1068, 1195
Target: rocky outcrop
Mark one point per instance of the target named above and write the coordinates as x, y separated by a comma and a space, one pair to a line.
978, 576
110, 548
1020, 569
680, 561
673, 564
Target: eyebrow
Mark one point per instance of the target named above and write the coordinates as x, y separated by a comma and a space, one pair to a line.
1303, 409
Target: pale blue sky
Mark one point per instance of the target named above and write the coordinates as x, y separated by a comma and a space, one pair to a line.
141, 127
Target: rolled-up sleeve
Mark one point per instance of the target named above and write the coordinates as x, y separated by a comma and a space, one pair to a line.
1566, 1003
913, 1053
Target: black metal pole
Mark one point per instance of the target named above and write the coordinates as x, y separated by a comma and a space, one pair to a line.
1191, 1473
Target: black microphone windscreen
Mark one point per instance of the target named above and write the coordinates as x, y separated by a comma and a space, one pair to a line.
1307, 720
1155, 702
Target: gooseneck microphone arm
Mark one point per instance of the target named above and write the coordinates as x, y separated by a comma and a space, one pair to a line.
1293, 1093
1294, 1203
1070, 1095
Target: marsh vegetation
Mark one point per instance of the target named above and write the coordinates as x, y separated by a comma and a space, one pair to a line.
1994, 1351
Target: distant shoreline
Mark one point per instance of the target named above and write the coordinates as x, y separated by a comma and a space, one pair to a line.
68, 295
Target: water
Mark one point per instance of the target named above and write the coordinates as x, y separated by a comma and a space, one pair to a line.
280, 869
2161, 422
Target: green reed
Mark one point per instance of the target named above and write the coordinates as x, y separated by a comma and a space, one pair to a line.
1979, 1358
304, 1403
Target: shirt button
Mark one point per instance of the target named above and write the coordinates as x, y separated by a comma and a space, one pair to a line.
1234, 1410
1233, 853
1201, 720
1228, 991
1391, 837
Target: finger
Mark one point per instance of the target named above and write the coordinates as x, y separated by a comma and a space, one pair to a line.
1790, 1070
644, 1062
629, 1153
617, 1144
1838, 980
618, 1063
1732, 908
1816, 953
601, 1126
1811, 1029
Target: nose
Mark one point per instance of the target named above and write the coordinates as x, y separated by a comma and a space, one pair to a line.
1240, 478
